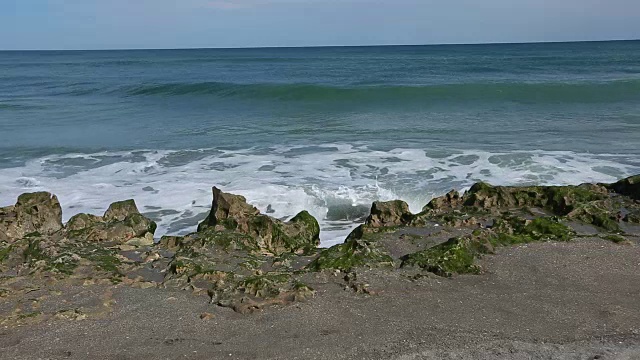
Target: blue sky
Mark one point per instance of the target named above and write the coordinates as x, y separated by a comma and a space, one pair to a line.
108, 24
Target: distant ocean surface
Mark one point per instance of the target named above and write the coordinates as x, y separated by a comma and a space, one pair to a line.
324, 129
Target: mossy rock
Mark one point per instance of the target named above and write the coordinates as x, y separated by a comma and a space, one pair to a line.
351, 254
231, 213
5, 251
632, 218
614, 238
523, 232
266, 285
310, 226
559, 199
596, 215
389, 213
190, 266
33, 212
511, 230
456, 256
80, 222
65, 259
92, 228
39, 259
629, 187
302, 234
120, 210
446, 202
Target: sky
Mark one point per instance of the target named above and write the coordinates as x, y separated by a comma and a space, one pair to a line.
122, 24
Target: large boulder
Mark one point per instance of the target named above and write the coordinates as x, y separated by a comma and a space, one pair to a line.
38, 212
121, 223
389, 213
232, 213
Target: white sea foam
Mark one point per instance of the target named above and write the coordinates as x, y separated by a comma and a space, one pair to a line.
335, 182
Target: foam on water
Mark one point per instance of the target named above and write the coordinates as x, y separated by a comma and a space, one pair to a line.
335, 182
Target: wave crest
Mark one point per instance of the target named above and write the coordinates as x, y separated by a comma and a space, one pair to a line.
556, 92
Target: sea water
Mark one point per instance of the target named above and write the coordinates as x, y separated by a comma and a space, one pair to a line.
329, 130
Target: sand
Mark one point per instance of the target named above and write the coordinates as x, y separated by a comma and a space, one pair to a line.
570, 300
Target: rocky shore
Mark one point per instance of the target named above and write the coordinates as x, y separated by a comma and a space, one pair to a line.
465, 254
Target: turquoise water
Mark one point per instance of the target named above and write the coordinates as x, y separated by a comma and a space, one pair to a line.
324, 129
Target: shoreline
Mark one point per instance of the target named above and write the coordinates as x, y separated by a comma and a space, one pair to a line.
497, 272
340, 191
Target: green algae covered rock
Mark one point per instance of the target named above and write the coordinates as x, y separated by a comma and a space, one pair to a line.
231, 213
457, 255
559, 199
597, 214
351, 254
121, 223
512, 230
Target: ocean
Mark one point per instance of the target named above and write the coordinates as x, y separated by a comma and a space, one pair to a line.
329, 129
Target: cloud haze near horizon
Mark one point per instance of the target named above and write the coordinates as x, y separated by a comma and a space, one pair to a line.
98, 24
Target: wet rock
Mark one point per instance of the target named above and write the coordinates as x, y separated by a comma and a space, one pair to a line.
389, 213
33, 213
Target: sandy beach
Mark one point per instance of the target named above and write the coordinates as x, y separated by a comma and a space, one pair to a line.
542, 301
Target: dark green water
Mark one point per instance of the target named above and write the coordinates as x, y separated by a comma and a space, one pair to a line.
327, 129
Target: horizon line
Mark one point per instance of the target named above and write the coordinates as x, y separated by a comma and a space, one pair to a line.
332, 46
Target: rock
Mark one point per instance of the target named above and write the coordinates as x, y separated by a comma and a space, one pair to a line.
445, 203
206, 316
456, 256
33, 213
228, 211
147, 240
119, 211
389, 213
82, 221
632, 218
120, 223
171, 243
73, 314
595, 214
354, 252
559, 199
231, 213
629, 187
